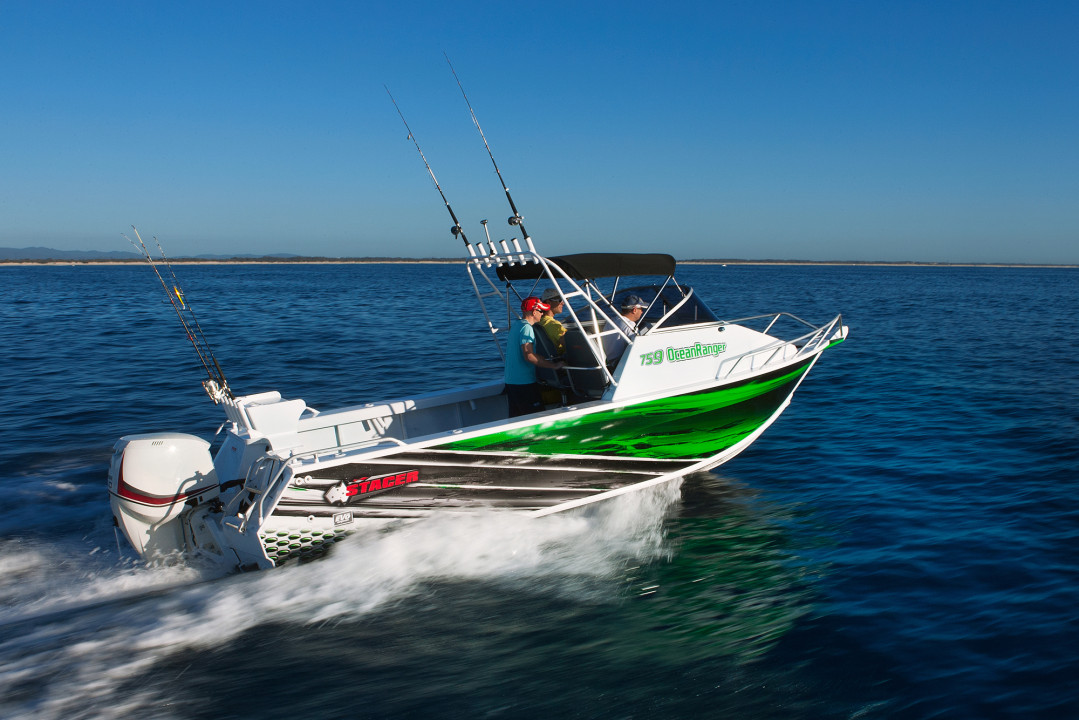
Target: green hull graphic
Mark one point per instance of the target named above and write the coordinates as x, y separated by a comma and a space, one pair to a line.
691, 426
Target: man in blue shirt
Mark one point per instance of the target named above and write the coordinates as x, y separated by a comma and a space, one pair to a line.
522, 361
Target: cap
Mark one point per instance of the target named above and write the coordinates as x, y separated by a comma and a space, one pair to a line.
552, 296
633, 301
534, 303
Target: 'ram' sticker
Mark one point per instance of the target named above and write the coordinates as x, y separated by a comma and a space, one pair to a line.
343, 492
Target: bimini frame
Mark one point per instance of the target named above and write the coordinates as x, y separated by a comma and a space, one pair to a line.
595, 314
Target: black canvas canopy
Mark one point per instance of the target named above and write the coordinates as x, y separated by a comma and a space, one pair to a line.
595, 265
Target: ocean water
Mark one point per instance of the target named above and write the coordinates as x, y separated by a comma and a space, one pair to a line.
902, 543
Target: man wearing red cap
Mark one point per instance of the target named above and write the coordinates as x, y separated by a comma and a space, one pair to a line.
522, 361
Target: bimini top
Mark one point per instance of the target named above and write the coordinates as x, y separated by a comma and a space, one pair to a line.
590, 266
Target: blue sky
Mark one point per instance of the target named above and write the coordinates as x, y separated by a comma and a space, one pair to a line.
935, 131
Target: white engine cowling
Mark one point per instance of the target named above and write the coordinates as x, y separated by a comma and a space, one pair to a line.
151, 480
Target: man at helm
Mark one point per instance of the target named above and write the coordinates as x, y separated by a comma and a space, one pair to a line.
522, 361
614, 344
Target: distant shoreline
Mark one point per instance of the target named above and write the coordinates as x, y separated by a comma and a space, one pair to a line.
453, 261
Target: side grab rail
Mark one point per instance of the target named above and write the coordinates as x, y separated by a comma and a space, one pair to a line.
808, 344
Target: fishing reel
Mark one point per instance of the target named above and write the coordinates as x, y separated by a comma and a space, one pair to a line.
218, 391
515, 220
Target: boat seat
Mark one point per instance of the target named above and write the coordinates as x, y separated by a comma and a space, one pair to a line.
546, 350
587, 382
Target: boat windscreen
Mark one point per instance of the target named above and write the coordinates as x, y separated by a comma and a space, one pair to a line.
693, 311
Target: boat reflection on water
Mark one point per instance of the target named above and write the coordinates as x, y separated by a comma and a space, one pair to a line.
735, 589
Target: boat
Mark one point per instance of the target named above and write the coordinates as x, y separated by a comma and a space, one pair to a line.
285, 482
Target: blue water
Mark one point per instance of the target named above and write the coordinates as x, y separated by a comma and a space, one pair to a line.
902, 543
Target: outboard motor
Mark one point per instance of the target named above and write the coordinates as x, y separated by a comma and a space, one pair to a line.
152, 479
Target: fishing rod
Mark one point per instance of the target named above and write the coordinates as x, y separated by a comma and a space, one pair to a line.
187, 306
516, 218
456, 229
216, 385
141, 247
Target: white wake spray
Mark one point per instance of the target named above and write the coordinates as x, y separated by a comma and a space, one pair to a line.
78, 639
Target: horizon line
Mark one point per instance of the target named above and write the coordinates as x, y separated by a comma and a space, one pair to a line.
385, 260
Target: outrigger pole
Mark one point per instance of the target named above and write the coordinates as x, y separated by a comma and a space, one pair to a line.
516, 218
216, 385
456, 229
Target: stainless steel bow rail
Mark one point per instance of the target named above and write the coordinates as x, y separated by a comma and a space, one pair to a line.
810, 343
